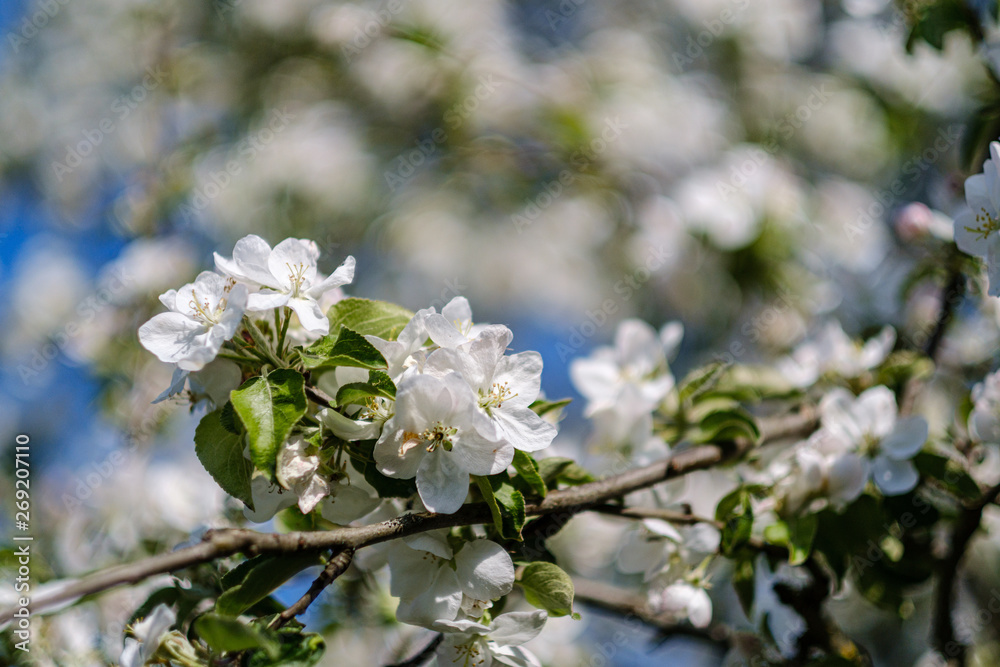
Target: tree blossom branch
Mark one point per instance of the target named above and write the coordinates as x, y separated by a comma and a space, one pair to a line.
424, 655
630, 605
966, 526
226, 542
337, 566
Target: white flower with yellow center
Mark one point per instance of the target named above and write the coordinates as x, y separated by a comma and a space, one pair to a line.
285, 276
469, 643
439, 436
505, 385
977, 231
203, 315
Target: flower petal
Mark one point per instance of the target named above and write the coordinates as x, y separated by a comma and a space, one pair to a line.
431, 541
310, 315
846, 477
349, 429
875, 410
177, 381
291, 261
267, 299
699, 609
249, 262
517, 627
397, 454
968, 240
344, 275
178, 339
522, 373
523, 429
485, 570
894, 478
347, 503
440, 601
907, 438
442, 484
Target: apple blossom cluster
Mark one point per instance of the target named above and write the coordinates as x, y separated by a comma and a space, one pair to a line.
626, 383
362, 412
860, 439
205, 314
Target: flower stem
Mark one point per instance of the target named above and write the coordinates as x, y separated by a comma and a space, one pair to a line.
263, 346
284, 328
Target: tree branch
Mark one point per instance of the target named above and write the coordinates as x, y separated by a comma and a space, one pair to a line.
631, 605
951, 296
336, 567
965, 527
424, 655
226, 542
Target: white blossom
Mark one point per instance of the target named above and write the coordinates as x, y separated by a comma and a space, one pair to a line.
439, 436
860, 438
146, 637
406, 351
453, 325
285, 276
638, 360
435, 584
984, 420
656, 547
870, 424
298, 472
682, 600
203, 315
833, 351
470, 643
976, 230
505, 386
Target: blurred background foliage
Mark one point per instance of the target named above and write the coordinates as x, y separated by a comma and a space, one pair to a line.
750, 167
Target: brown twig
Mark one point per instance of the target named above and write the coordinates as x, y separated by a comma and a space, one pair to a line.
633, 606
336, 567
424, 655
226, 542
965, 527
951, 296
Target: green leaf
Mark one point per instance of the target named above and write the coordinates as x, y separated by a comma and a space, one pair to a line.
935, 20
295, 649
949, 472
726, 425
369, 318
797, 535
348, 348
229, 420
729, 502
363, 460
753, 383
356, 393
737, 529
743, 581
556, 469
527, 470
802, 532
701, 380
547, 587
541, 406
269, 407
254, 579
223, 634
505, 502
221, 453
